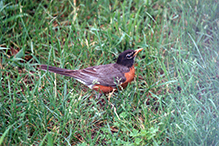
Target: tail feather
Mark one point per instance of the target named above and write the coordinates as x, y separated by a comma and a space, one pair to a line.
58, 70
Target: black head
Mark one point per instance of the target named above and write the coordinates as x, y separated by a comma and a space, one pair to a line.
127, 57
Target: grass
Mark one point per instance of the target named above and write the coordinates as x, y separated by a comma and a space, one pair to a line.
173, 100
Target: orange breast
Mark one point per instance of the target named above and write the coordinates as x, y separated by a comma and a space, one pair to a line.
129, 76
106, 89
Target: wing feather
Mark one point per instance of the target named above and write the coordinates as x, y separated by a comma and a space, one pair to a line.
106, 75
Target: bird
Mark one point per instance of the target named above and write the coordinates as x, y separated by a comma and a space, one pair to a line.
103, 78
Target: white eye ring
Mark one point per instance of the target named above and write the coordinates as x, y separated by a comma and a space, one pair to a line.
129, 56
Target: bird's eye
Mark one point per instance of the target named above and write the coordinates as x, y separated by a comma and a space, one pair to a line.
129, 56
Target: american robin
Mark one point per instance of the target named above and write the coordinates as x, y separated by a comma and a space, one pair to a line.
103, 78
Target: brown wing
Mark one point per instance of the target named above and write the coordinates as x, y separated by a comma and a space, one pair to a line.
106, 75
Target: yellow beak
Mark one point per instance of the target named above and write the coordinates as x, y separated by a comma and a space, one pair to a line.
137, 51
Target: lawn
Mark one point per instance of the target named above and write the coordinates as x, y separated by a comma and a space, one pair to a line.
174, 99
